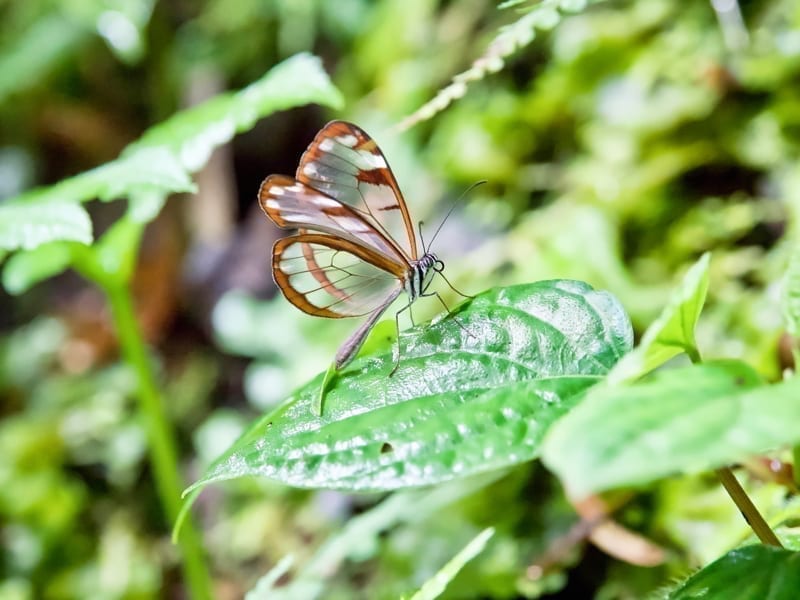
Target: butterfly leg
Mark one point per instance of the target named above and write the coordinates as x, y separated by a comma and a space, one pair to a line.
449, 312
397, 347
450, 285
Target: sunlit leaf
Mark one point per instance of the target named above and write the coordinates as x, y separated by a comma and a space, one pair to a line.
673, 331
160, 162
750, 573
53, 213
192, 134
681, 420
475, 391
28, 225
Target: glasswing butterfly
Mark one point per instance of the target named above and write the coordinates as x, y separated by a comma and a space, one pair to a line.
355, 250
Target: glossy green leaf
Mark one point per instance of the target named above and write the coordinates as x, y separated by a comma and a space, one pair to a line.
475, 391
681, 420
28, 225
673, 331
751, 573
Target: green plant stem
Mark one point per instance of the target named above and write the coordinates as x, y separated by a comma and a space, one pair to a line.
747, 508
162, 447
737, 493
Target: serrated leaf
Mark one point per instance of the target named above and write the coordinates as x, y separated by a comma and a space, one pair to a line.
54, 213
31, 224
469, 396
750, 573
28, 267
673, 331
145, 171
193, 134
161, 161
682, 420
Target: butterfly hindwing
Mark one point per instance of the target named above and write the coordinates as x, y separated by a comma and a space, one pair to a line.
331, 277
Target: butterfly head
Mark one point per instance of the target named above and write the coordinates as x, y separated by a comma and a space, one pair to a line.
422, 273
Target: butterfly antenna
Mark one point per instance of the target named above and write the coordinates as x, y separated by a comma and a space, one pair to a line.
421, 238
452, 208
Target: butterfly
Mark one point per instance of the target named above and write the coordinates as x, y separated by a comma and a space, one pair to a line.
354, 252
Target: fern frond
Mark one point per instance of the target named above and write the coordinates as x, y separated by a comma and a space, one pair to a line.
543, 15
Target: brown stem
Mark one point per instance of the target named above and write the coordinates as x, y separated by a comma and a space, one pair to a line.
747, 508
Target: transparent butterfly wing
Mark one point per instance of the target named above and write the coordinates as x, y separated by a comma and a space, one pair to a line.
346, 164
291, 204
331, 277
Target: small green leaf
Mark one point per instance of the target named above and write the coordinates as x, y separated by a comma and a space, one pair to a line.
30, 224
28, 267
673, 331
681, 420
115, 252
435, 586
750, 573
475, 391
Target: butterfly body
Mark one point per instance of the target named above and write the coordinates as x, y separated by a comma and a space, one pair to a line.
420, 275
355, 251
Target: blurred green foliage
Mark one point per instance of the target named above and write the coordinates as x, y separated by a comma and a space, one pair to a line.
620, 144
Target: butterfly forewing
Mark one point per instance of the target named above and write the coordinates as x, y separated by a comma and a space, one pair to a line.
346, 164
294, 205
330, 277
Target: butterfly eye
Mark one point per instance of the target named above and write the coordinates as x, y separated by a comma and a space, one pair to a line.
438, 266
